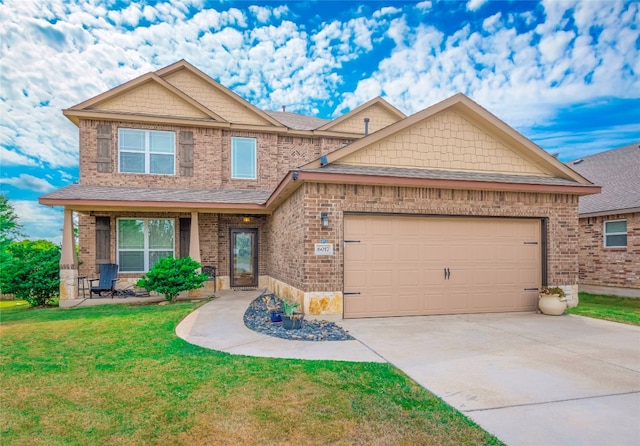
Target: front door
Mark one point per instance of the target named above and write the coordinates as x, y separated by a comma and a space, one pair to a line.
244, 257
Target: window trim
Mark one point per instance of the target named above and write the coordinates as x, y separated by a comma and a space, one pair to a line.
147, 152
146, 250
255, 158
605, 234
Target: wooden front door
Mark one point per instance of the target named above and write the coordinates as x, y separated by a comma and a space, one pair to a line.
244, 257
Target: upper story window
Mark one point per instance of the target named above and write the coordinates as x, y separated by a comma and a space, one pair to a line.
142, 242
243, 158
615, 234
146, 151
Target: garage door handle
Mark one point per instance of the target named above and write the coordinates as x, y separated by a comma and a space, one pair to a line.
447, 273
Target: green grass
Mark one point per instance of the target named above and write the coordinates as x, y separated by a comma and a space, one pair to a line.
611, 308
117, 374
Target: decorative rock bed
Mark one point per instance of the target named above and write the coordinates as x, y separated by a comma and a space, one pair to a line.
257, 319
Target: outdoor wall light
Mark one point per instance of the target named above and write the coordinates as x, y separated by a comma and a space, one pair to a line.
324, 219
246, 219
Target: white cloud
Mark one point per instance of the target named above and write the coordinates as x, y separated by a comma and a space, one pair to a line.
492, 23
11, 157
28, 182
272, 58
474, 5
520, 81
39, 222
553, 46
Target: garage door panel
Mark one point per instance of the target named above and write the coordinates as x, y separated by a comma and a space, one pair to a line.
399, 269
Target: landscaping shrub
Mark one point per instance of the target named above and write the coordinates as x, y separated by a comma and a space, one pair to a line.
170, 276
30, 270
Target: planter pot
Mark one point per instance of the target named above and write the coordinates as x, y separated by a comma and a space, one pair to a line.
552, 305
275, 316
293, 322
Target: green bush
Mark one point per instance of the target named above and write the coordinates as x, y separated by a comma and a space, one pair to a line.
170, 276
30, 270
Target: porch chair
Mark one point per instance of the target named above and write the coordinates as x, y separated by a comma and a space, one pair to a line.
106, 282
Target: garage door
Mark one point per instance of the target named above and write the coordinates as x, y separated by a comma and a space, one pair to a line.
400, 266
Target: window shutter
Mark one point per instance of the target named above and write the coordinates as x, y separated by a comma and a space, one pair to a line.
185, 236
186, 154
103, 240
103, 158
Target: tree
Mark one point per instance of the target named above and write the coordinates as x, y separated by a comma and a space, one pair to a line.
30, 270
170, 276
10, 229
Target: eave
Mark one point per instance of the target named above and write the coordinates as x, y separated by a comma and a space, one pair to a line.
289, 184
86, 206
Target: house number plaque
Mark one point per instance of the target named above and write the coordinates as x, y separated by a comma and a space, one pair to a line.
324, 249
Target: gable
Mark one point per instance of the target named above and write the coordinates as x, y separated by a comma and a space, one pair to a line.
225, 105
447, 141
380, 113
379, 118
150, 98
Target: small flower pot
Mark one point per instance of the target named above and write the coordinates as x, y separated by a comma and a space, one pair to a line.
275, 316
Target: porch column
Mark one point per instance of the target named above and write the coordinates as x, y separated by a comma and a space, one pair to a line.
68, 260
194, 239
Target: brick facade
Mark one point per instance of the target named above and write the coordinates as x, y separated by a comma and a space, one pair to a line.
609, 267
289, 227
276, 155
320, 273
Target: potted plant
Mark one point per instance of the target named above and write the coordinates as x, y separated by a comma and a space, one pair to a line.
291, 320
552, 301
273, 307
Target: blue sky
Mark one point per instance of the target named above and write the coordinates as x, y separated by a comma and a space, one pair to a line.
566, 74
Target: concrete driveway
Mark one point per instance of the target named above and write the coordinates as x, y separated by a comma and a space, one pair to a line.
529, 379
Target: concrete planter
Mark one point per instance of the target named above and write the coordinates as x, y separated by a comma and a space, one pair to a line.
552, 304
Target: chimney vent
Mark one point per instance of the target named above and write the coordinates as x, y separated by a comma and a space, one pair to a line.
366, 126
284, 107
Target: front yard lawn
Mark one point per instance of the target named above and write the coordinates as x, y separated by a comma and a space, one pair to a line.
118, 374
611, 308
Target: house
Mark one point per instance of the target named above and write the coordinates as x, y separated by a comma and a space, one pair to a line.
610, 222
371, 214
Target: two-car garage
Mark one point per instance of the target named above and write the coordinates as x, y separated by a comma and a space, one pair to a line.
420, 265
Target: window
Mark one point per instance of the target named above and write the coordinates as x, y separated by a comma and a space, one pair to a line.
243, 158
142, 242
146, 151
615, 234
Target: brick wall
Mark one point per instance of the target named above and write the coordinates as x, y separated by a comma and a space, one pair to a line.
287, 241
276, 155
322, 273
610, 267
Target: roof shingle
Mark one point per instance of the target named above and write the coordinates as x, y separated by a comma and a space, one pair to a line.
113, 193
618, 172
297, 122
460, 175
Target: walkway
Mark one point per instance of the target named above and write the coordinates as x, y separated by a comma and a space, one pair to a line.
218, 325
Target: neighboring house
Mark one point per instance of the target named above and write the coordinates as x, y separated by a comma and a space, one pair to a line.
371, 214
610, 222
